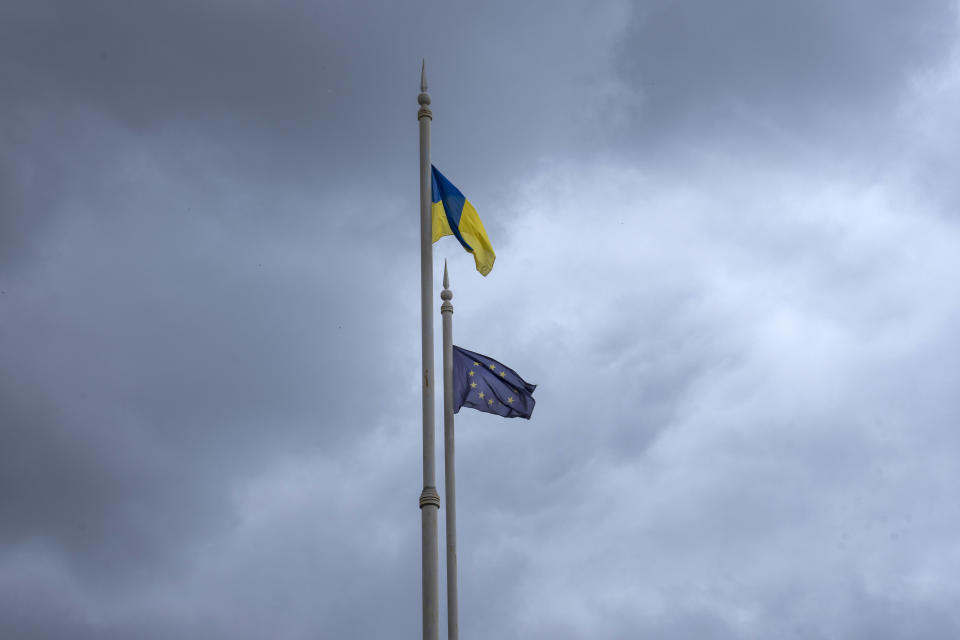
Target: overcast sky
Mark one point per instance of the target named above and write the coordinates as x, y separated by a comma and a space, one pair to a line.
728, 240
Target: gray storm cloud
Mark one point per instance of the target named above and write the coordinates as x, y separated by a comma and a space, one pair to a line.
726, 242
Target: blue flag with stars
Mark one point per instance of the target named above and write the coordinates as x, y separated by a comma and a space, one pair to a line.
482, 383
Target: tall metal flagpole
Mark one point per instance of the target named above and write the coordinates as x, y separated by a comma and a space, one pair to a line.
429, 499
449, 471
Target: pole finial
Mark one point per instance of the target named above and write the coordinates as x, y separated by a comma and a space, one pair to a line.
424, 98
445, 294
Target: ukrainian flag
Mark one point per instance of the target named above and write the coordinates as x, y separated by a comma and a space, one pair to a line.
454, 215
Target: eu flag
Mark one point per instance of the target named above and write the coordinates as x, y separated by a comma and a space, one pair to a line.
482, 383
453, 215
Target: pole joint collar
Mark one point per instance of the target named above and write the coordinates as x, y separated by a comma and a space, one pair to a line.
429, 497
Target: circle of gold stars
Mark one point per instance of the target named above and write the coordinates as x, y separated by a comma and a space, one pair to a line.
481, 394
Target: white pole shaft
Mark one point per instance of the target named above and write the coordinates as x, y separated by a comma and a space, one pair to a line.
429, 499
450, 481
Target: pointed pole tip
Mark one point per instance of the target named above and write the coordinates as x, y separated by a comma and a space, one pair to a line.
423, 74
446, 278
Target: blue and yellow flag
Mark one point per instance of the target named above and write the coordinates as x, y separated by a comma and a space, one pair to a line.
482, 383
454, 215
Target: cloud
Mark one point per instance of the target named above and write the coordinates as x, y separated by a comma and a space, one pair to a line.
746, 437
725, 253
755, 69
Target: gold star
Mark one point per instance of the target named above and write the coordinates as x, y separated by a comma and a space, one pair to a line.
476, 364
492, 367
510, 400
503, 373
481, 395
473, 385
490, 401
471, 373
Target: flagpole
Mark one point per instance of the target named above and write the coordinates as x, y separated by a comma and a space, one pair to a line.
449, 471
429, 498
